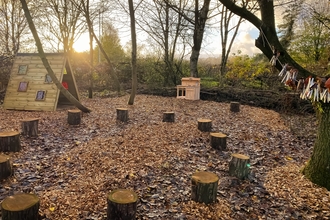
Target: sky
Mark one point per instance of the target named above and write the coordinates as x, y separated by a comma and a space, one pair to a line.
211, 44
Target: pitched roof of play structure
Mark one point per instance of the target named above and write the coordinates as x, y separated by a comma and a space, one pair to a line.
31, 88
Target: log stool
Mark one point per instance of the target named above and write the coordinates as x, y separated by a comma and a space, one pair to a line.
204, 125
74, 117
122, 114
234, 106
9, 141
5, 167
30, 127
204, 186
218, 141
168, 117
239, 166
121, 204
20, 206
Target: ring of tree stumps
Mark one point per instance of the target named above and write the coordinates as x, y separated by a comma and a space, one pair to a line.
234, 106
10, 141
218, 141
122, 204
74, 117
122, 114
30, 127
239, 166
5, 167
204, 187
168, 117
204, 125
20, 206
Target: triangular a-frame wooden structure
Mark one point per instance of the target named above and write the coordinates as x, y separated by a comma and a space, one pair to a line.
31, 88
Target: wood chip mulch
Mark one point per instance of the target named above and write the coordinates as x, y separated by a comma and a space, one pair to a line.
73, 168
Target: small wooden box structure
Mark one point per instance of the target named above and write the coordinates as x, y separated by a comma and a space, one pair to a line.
189, 88
31, 88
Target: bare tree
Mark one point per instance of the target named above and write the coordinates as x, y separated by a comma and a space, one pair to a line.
317, 168
199, 21
62, 23
134, 49
168, 31
12, 26
84, 8
226, 28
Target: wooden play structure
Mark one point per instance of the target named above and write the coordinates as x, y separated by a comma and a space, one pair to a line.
189, 88
31, 88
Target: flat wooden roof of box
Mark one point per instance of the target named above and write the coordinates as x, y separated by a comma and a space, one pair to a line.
30, 87
190, 81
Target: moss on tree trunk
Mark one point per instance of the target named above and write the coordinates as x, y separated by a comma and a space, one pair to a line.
317, 169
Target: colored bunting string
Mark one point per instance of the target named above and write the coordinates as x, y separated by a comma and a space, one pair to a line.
313, 89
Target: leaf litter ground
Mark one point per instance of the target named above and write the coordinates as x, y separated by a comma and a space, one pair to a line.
73, 168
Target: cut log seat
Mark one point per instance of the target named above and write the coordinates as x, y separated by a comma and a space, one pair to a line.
30, 127
122, 204
20, 206
10, 141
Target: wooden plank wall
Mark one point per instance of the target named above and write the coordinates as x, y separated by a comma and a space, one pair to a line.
35, 77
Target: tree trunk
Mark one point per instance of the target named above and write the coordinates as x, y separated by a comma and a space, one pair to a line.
74, 117
318, 167
122, 114
204, 125
168, 117
5, 167
22, 206
204, 187
122, 205
218, 141
45, 62
234, 106
199, 26
10, 141
91, 63
30, 127
134, 50
239, 166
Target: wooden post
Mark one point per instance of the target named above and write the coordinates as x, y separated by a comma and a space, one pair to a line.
122, 204
30, 127
122, 114
168, 117
9, 141
239, 166
204, 125
20, 206
74, 117
204, 187
5, 167
218, 141
234, 106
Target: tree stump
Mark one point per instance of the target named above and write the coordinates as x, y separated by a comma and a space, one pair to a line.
122, 114
168, 117
239, 166
74, 117
204, 125
204, 186
5, 167
30, 127
121, 205
218, 141
234, 106
20, 206
9, 141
